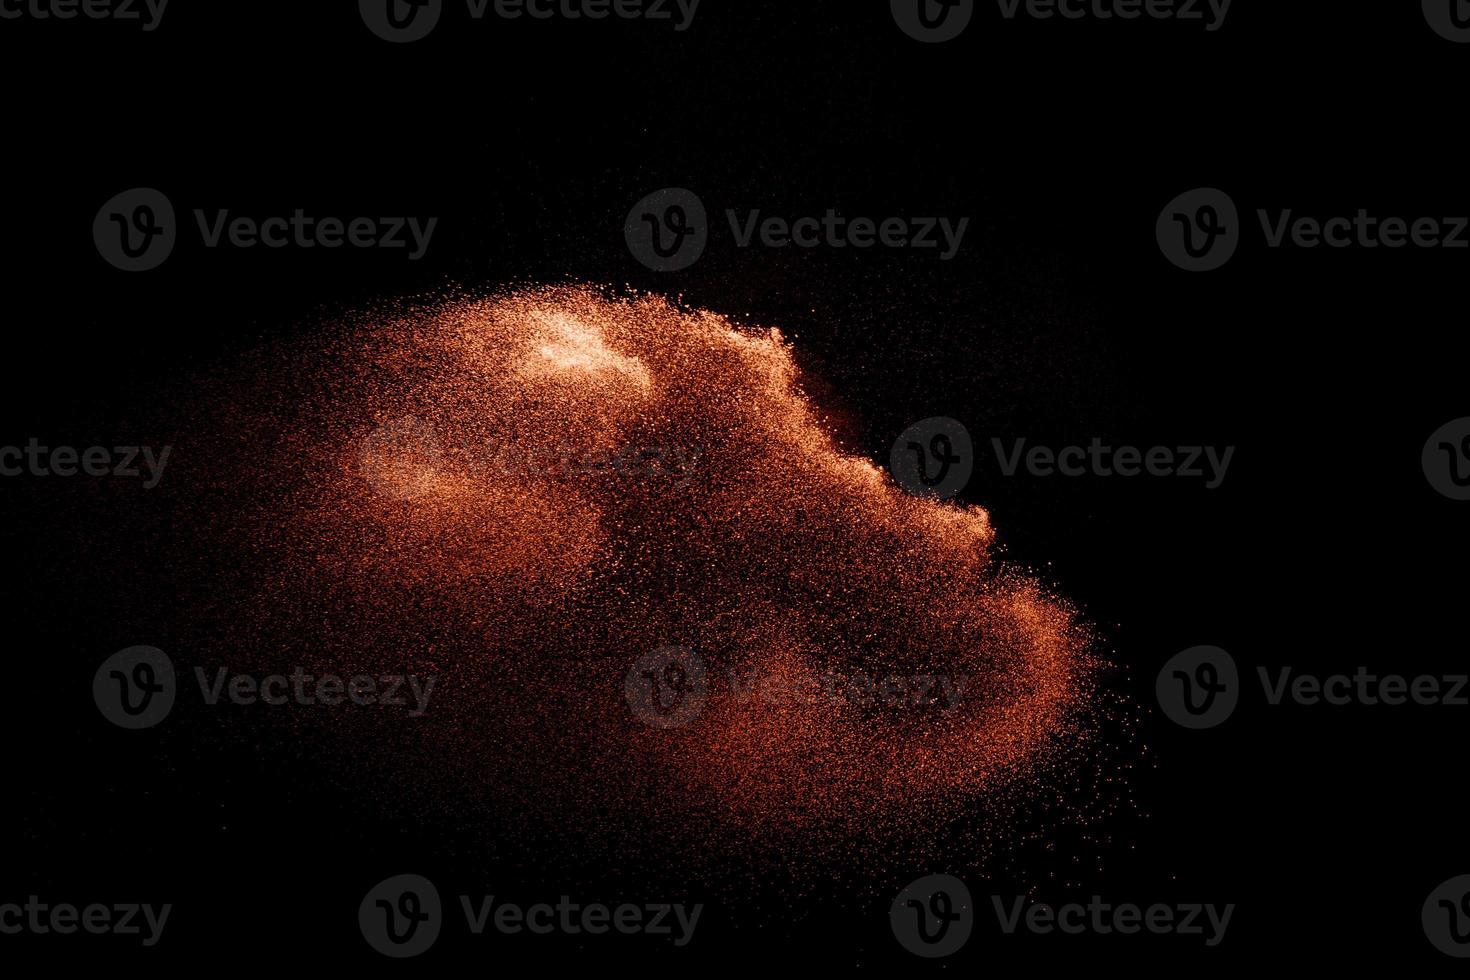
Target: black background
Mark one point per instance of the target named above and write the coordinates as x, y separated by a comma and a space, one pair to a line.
1059, 321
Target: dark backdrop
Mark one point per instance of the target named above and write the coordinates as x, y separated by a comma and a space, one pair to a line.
1060, 320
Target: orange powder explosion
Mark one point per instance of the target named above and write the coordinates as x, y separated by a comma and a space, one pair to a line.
526, 494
